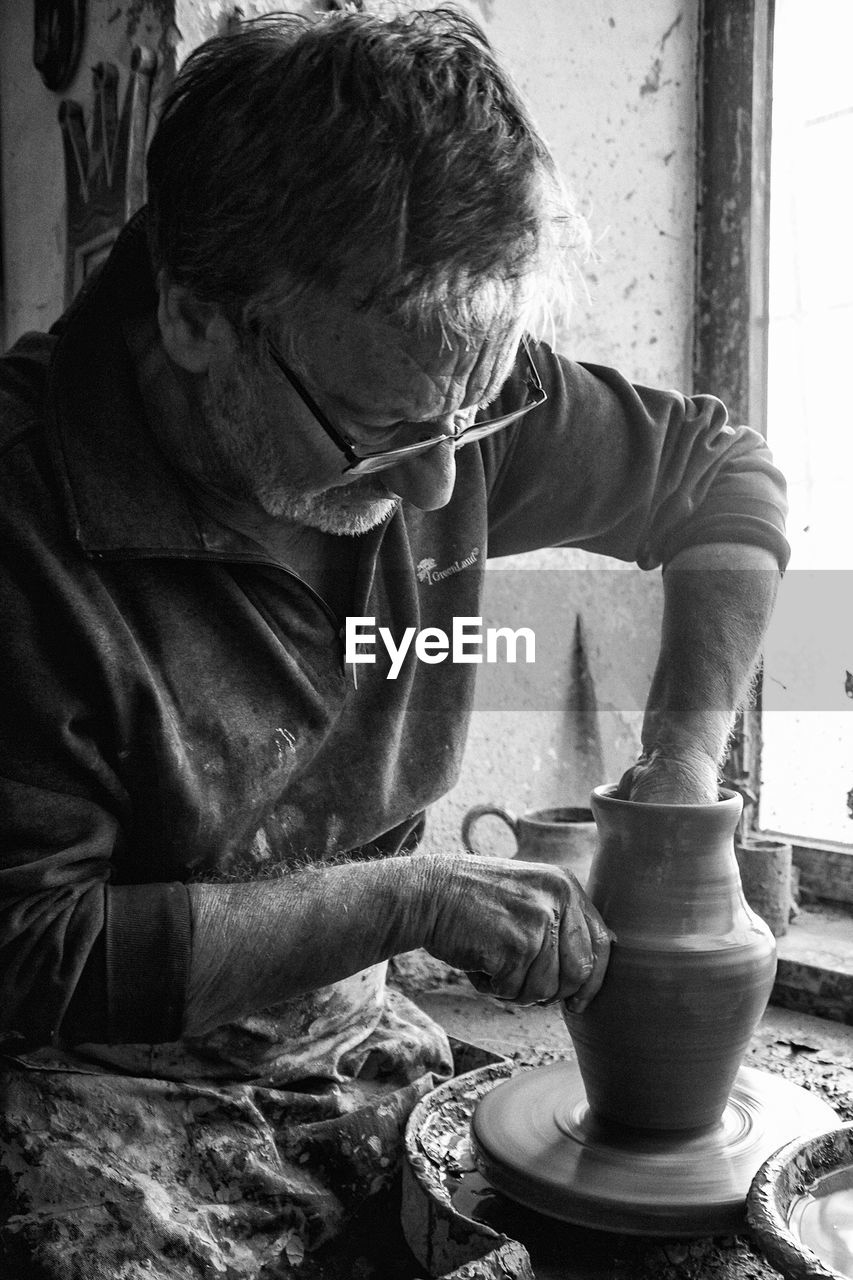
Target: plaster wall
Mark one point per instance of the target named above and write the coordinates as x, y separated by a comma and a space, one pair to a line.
33, 174
31, 161
613, 88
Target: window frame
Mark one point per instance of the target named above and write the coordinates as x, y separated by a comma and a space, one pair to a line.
730, 360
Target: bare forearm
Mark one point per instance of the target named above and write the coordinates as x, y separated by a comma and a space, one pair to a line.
255, 945
526, 930
718, 602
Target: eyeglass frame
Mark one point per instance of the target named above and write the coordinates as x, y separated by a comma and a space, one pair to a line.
464, 435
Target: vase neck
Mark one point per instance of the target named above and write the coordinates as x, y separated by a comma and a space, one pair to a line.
672, 864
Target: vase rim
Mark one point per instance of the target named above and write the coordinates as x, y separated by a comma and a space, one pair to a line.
729, 800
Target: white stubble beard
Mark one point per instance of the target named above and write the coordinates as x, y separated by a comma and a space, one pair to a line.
239, 457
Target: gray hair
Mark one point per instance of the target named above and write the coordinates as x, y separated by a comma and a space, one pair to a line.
391, 157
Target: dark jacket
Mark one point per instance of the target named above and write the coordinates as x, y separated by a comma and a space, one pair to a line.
175, 704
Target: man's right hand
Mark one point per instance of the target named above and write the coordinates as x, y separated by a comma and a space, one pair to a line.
523, 931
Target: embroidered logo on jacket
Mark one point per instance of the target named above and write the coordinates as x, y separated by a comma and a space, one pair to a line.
428, 570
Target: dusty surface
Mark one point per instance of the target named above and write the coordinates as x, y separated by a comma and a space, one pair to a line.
811, 1052
815, 972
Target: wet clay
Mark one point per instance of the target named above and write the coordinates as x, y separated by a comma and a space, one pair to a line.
690, 973
823, 1220
537, 1141
450, 1203
656, 1129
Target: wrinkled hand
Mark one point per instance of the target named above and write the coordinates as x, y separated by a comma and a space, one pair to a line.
686, 778
523, 931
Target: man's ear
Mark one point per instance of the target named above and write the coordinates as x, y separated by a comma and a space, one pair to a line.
195, 333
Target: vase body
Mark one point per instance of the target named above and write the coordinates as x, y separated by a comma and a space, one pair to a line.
690, 972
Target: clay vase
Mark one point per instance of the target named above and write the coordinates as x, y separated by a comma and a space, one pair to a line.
691, 970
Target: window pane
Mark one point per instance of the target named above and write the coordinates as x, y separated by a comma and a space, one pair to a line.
807, 726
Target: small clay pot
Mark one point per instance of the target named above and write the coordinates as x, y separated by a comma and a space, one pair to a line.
690, 972
563, 837
765, 871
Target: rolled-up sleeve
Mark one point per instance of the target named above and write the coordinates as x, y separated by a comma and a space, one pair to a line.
81, 959
630, 472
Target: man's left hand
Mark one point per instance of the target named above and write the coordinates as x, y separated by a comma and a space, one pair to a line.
686, 778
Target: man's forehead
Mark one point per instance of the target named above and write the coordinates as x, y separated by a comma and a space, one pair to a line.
367, 360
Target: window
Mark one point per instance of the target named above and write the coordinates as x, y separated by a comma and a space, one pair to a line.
775, 338
807, 719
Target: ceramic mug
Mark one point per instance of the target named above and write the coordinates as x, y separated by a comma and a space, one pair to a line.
563, 837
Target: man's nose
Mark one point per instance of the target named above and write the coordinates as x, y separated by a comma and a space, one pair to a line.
427, 480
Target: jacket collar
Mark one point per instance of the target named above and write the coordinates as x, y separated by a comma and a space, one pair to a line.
121, 494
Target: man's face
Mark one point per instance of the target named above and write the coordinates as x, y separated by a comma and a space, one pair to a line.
379, 385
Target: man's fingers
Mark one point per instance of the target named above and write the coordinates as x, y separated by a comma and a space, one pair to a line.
485, 984
577, 958
600, 942
551, 945
541, 983
571, 960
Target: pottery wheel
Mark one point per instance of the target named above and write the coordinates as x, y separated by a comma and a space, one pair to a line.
537, 1142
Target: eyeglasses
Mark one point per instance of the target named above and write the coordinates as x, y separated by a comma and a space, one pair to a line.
361, 461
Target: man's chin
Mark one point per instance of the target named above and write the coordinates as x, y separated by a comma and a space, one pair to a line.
347, 510
360, 519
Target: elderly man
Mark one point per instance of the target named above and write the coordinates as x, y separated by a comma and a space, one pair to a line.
306, 366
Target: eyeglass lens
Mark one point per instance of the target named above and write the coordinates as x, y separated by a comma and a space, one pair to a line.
387, 457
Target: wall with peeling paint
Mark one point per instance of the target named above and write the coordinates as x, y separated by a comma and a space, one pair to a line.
613, 87
31, 163
32, 167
